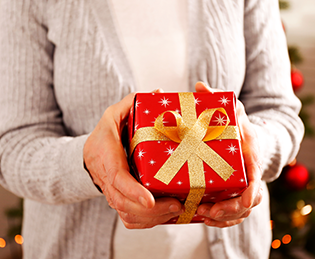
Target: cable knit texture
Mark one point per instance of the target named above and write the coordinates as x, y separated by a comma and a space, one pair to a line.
62, 65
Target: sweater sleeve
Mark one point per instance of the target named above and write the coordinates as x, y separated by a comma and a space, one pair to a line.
267, 92
37, 159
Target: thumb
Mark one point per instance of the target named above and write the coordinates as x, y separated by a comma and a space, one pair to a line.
201, 87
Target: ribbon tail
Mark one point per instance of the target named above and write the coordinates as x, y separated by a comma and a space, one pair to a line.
197, 189
216, 162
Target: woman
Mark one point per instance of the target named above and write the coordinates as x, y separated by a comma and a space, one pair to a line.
63, 63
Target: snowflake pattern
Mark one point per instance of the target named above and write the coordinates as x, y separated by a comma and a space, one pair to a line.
165, 102
179, 183
146, 111
232, 149
147, 184
137, 103
152, 162
197, 101
211, 181
169, 151
242, 180
177, 110
224, 101
220, 120
141, 153
136, 127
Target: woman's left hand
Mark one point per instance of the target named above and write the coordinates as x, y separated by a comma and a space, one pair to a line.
233, 211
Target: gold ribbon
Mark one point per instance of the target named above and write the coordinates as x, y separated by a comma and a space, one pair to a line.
191, 133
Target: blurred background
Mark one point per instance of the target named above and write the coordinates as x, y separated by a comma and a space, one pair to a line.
292, 195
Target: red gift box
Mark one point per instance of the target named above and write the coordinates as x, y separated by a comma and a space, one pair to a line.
187, 146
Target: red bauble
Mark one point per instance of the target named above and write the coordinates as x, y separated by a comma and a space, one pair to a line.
296, 176
296, 79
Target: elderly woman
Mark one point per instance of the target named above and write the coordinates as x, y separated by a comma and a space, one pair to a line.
68, 68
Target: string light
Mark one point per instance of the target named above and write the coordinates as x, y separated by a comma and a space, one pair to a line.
2, 243
276, 244
286, 239
19, 239
307, 209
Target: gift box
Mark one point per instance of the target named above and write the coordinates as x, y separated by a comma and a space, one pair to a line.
187, 146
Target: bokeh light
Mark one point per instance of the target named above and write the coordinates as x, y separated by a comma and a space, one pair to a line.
19, 239
276, 244
2, 243
300, 204
307, 209
286, 239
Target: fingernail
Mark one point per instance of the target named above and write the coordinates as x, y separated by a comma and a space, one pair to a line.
205, 212
219, 214
143, 201
174, 208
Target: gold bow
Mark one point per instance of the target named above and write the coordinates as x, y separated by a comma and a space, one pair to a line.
191, 133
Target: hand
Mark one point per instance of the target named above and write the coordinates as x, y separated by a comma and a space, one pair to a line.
234, 211
105, 159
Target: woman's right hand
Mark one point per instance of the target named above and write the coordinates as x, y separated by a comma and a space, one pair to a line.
106, 161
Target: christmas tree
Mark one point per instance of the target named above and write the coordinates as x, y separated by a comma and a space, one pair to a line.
292, 196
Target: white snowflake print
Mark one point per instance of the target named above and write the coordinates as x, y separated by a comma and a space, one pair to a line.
197, 101
152, 162
140, 175
137, 103
179, 183
211, 181
136, 127
242, 180
220, 120
170, 150
147, 184
177, 110
146, 111
140, 154
224, 101
164, 102
232, 149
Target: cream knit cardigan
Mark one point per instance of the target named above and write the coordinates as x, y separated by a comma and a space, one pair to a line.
62, 65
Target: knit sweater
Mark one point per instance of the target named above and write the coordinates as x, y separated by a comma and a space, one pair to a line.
62, 64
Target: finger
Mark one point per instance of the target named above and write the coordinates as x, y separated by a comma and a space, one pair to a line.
144, 222
222, 224
225, 210
201, 87
164, 210
253, 195
253, 169
163, 206
116, 173
158, 90
120, 111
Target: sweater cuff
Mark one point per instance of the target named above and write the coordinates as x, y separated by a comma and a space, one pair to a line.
273, 155
77, 178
